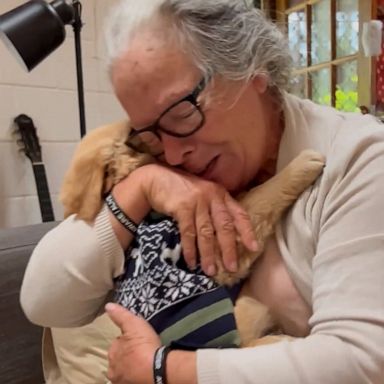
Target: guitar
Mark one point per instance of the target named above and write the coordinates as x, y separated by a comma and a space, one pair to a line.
30, 145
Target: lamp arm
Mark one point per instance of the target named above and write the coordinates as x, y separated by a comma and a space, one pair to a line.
77, 25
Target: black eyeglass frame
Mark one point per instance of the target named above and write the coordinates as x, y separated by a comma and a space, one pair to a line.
156, 127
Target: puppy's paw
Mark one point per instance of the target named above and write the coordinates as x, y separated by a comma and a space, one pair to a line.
253, 319
245, 261
301, 172
227, 278
308, 165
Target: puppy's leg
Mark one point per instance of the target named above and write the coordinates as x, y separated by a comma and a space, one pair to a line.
255, 322
266, 203
269, 339
253, 319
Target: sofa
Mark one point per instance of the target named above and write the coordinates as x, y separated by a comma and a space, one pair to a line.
20, 341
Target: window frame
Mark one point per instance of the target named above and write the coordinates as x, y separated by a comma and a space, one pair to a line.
364, 64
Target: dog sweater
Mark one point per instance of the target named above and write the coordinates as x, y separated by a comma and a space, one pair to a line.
186, 308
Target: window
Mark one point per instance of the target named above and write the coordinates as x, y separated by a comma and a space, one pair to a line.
324, 40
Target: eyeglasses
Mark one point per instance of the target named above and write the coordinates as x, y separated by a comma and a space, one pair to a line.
181, 119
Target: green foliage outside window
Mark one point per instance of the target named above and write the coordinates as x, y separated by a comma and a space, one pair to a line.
346, 100
346, 25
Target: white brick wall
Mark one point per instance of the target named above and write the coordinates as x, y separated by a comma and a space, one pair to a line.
48, 95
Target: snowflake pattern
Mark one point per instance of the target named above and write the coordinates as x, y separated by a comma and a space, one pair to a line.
179, 283
155, 276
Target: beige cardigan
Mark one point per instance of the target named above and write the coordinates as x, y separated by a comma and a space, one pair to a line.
332, 242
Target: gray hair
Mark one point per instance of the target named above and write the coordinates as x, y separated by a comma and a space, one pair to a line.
225, 37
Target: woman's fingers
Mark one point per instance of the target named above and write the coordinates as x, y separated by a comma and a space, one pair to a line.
206, 238
225, 233
242, 223
130, 355
186, 220
210, 226
210, 220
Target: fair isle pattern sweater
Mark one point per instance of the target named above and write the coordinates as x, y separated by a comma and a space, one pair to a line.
186, 308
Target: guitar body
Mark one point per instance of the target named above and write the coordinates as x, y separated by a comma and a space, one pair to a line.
30, 145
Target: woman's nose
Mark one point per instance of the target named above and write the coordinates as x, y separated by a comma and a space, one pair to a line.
175, 148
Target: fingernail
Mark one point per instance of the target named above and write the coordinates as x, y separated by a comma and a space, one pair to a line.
211, 270
110, 307
192, 266
233, 266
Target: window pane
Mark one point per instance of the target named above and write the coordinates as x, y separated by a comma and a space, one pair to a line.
321, 32
346, 87
297, 37
347, 27
321, 86
256, 3
297, 86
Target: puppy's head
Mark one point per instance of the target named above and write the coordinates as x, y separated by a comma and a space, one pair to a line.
87, 180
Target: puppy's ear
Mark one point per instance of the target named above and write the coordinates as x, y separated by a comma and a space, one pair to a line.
84, 183
92, 197
81, 192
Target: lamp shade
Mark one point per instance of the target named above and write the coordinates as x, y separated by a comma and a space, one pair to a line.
35, 29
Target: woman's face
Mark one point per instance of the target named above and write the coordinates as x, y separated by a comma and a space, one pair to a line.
232, 145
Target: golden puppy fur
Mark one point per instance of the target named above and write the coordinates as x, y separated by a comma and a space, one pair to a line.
103, 158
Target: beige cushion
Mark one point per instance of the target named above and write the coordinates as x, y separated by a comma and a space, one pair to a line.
78, 355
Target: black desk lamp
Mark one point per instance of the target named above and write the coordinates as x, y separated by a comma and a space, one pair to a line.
35, 29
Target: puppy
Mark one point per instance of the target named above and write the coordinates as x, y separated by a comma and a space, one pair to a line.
105, 156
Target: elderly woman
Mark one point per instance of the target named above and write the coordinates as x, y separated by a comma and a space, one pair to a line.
203, 82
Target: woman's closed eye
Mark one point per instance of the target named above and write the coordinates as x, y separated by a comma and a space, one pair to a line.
181, 111
186, 114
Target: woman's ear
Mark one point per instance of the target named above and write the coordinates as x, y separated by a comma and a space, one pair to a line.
260, 82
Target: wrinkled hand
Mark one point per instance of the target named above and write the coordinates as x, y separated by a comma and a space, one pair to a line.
209, 219
131, 355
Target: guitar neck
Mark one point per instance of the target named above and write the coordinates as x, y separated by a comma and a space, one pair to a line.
43, 192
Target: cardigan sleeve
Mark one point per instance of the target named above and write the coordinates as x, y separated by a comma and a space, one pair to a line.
70, 273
